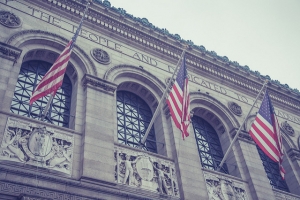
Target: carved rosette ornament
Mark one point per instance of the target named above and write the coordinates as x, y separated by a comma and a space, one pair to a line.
235, 108
286, 128
224, 188
139, 169
9, 19
100, 56
28, 143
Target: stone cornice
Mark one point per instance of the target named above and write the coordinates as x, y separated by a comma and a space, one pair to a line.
9, 52
98, 83
114, 22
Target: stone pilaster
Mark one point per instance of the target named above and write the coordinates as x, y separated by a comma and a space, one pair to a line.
187, 161
97, 151
252, 169
9, 71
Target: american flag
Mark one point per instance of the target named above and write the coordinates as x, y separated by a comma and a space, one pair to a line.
266, 133
179, 100
54, 77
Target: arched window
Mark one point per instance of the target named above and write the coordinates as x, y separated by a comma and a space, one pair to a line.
208, 143
30, 74
272, 171
134, 116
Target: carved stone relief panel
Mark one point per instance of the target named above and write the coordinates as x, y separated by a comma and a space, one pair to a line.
9, 19
224, 188
286, 128
235, 108
100, 56
25, 142
141, 170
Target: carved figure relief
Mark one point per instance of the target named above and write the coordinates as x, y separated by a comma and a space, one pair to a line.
235, 108
138, 169
223, 188
9, 19
100, 56
286, 128
39, 146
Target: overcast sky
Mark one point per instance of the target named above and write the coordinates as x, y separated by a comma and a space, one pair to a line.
263, 34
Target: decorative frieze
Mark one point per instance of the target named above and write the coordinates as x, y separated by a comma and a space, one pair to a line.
145, 171
9, 19
287, 128
9, 52
31, 197
224, 188
41, 146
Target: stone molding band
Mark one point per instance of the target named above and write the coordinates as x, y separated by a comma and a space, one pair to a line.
98, 83
9, 52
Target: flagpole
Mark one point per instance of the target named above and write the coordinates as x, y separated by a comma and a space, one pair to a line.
74, 40
47, 106
161, 100
239, 130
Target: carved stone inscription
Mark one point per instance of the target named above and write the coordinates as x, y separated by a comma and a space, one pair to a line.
223, 188
139, 169
28, 143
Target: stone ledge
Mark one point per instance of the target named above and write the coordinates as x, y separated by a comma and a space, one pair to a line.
9, 114
281, 195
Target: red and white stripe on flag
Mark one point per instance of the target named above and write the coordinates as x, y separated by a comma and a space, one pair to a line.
266, 133
54, 77
179, 101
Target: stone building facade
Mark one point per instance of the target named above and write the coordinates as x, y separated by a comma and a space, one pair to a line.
86, 148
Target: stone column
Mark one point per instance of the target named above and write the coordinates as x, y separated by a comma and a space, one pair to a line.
98, 141
252, 169
187, 161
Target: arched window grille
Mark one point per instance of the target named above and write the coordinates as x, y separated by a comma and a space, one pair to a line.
209, 146
30, 74
134, 116
272, 171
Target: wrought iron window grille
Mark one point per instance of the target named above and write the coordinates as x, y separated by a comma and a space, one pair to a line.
31, 73
209, 146
133, 118
272, 172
